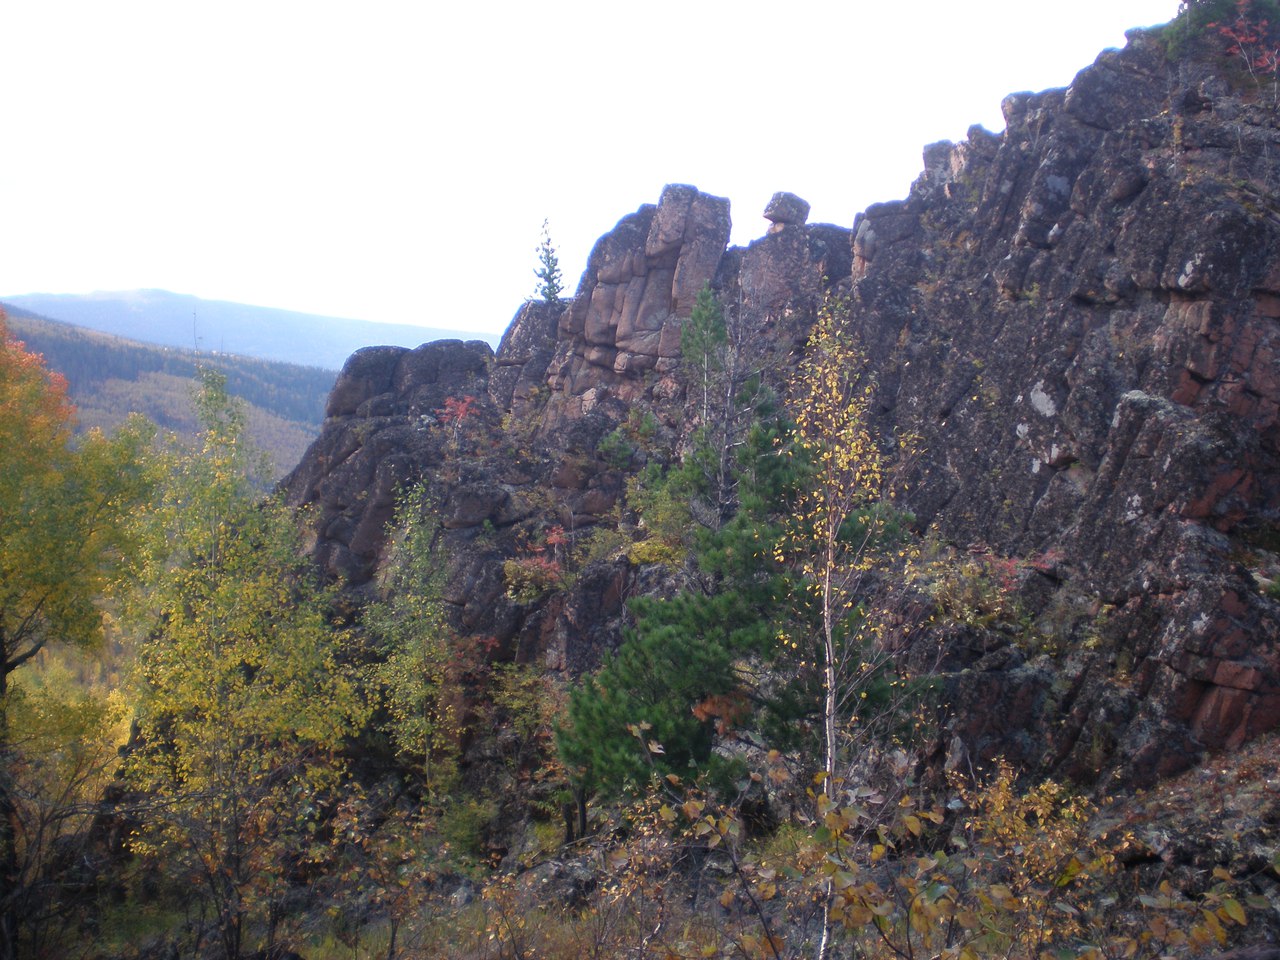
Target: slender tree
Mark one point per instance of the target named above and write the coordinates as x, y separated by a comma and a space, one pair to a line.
407, 627
704, 340
548, 269
831, 549
833, 534
724, 369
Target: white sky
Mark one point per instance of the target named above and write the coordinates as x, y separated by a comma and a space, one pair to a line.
394, 161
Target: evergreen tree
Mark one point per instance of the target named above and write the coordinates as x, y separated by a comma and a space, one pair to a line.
686, 672
725, 371
548, 269
657, 705
703, 342
778, 579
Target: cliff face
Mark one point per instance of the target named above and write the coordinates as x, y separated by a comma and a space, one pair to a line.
1078, 319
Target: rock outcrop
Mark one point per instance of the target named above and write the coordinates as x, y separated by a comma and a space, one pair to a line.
623, 327
378, 436
1078, 319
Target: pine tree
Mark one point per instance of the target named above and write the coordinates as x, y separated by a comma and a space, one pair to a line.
676, 683
724, 370
548, 269
703, 341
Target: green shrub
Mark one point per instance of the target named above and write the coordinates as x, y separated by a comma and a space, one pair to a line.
601, 544
654, 550
615, 449
979, 591
463, 825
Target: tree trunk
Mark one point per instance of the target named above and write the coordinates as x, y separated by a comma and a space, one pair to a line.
391, 943
10, 879
830, 726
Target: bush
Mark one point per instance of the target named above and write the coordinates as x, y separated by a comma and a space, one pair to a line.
531, 578
615, 449
602, 544
976, 590
463, 825
1194, 32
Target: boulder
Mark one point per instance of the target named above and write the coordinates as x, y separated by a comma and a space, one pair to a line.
786, 208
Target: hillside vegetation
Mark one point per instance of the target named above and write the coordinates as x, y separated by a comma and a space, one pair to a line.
181, 320
110, 377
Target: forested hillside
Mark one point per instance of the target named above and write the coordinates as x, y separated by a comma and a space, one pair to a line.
110, 377
180, 320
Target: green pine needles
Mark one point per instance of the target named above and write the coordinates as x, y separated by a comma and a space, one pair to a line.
548, 269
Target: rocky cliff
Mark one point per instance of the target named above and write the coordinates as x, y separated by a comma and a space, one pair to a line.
1078, 318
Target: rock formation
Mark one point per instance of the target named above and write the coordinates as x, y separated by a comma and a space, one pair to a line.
641, 279
1078, 318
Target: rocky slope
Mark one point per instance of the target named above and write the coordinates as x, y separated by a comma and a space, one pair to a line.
1078, 319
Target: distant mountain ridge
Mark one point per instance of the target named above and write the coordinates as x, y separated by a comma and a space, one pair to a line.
181, 320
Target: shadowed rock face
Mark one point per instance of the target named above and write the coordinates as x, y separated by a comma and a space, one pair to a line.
382, 431
1078, 319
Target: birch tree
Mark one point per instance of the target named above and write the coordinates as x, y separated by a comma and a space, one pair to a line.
244, 704
834, 531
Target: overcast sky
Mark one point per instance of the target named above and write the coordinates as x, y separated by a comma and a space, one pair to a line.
394, 161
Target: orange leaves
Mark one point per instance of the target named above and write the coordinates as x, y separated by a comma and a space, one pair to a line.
62, 509
35, 415
456, 412
456, 409
726, 709
1249, 38
531, 576
1020, 873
